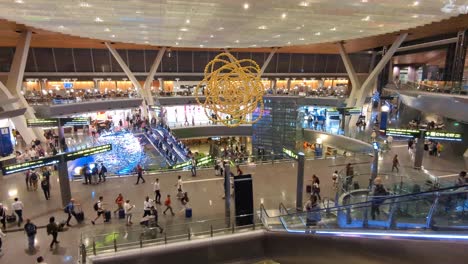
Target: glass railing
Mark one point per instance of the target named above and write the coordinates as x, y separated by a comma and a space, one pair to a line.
151, 235
292, 92
47, 100
435, 87
441, 210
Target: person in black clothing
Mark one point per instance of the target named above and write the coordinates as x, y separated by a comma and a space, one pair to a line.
379, 192
316, 186
154, 212
102, 173
52, 229
45, 185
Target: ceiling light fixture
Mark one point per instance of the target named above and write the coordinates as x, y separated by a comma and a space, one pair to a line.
301, 39
360, 31
143, 26
19, 1
246, 6
184, 29
107, 30
112, 36
254, 45
145, 37
177, 43
276, 36
61, 27
237, 41
179, 38
187, 21
367, 18
98, 19
289, 42
333, 29
146, 42
364, 1
415, 3
297, 28
220, 28
318, 34
283, 16
381, 25
262, 27
84, 4
138, 12
304, 4
415, 16
201, 46
211, 36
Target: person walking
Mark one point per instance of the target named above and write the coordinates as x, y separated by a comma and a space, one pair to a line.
139, 171
27, 175
34, 179
316, 186
312, 208
119, 201
378, 199
147, 206
179, 187
167, 203
102, 173
3, 214
128, 212
154, 212
373, 135
30, 229
18, 207
157, 191
52, 229
87, 174
335, 180
1, 242
395, 163
99, 208
70, 210
94, 174
45, 188
193, 169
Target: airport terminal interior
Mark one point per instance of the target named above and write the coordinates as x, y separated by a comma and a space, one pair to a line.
316, 131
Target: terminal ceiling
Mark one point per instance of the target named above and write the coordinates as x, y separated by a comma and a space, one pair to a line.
303, 26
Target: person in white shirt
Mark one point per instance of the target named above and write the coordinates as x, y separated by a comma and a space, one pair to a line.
157, 191
18, 207
179, 187
335, 180
147, 206
128, 208
32, 154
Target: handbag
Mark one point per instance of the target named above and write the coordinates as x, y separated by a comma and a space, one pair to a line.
11, 218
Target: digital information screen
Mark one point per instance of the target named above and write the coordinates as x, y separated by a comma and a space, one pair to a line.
75, 121
42, 122
446, 136
290, 153
87, 152
29, 165
201, 161
399, 132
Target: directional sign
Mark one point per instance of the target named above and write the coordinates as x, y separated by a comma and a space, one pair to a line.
447, 136
290, 153
42, 122
87, 152
201, 161
399, 132
30, 165
75, 121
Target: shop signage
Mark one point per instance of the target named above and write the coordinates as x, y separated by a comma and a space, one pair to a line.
30, 165
448, 136
400, 132
290, 153
75, 121
42, 122
88, 152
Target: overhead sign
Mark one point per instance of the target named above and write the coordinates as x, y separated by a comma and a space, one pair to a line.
201, 161
290, 153
155, 107
448, 136
87, 152
30, 165
399, 132
75, 121
42, 122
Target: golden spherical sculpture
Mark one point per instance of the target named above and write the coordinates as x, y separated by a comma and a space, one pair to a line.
233, 89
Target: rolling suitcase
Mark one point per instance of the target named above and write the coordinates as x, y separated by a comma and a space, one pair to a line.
121, 214
308, 188
107, 216
79, 216
188, 212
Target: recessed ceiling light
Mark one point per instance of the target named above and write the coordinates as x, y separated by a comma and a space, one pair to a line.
283, 16
415, 3
107, 30
381, 25
112, 36
254, 45
220, 28
237, 41
98, 19
333, 29
187, 21
184, 29
367, 18
179, 38
304, 4
301, 39
201, 46
415, 16
276, 36
318, 34
246, 6
289, 42
211, 36
297, 28
360, 31
19, 1
143, 26
177, 43
146, 42
138, 12
84, 4
364, 1
262, 27
61, 27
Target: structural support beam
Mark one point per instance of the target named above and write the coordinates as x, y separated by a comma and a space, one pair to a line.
265, 64
13, 89
351, 72
150, 77
365, 89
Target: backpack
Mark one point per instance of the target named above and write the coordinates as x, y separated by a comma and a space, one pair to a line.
44, 183
34, 176
30, 229
96, 206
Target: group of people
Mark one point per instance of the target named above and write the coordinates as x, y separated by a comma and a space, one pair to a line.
33, 177
93, 173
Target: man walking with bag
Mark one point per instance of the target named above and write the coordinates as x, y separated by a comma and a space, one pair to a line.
31, 231
52, 229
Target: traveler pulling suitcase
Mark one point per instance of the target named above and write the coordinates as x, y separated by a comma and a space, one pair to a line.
121, 214
79, 216
107, 216
188, 212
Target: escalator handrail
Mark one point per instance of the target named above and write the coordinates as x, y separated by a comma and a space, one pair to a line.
282, 207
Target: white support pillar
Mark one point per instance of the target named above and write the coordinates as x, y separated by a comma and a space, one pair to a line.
351, 73
265, 64
14, 85
150, 77
365, 89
